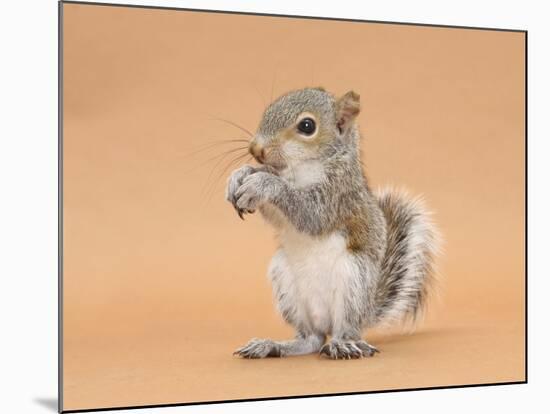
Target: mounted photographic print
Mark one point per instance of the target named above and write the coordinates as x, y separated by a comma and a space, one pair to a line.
263, 206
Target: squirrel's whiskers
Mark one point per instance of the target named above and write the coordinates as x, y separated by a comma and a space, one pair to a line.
210, 186
206, 149
243, 129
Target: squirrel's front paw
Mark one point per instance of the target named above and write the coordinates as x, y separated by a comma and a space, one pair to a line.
255, 190
234, 182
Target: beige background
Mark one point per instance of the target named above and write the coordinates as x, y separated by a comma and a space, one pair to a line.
162, 281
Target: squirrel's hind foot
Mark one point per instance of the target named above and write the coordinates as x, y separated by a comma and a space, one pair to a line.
342, 349
259, 348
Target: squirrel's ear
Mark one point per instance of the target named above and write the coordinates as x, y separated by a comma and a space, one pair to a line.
347, 109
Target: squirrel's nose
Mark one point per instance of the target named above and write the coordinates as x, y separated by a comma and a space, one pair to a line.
257, 152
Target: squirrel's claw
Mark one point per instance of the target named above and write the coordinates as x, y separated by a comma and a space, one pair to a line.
240, 213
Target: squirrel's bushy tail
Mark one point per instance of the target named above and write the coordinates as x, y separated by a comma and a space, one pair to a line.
407, 272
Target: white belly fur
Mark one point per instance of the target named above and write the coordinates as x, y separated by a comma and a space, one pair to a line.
320, 272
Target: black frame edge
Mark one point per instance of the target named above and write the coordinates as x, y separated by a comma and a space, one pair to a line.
60, 207
341, 19
526, 207
293, 397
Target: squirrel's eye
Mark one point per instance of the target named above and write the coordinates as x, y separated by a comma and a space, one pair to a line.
306, 126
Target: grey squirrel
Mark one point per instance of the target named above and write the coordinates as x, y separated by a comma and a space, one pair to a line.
348, 258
